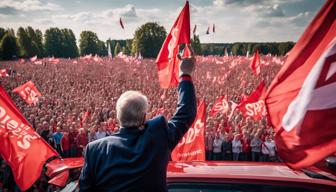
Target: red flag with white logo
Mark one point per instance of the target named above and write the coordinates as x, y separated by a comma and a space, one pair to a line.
192, 146
254, 105
221, 105
28, 92
22, 148
255, 64
167, 61
301, 99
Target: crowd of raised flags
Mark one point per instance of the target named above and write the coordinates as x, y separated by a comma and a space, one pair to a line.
244, 97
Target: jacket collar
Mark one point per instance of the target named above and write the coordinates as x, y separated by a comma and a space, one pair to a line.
129, 130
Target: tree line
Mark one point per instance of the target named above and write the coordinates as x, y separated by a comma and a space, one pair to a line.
148, 38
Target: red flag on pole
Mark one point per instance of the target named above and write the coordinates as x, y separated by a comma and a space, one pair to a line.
208, 31
221, 105
192, 146
121, 23
194, 30
301, 99
167, 61
254, 105
255, 65
22, 148
28, 92
213, 28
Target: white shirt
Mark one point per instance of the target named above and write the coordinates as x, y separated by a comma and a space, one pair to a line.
236, 146
217, 146
100, 135
268, 148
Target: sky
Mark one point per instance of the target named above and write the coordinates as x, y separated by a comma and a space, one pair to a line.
235, 20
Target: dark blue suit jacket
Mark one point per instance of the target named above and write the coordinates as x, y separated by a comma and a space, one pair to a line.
134, 160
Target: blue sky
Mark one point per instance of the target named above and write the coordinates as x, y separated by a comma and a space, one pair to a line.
235, 20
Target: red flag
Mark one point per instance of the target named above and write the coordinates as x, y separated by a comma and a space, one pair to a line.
208, 31
4, 73
186, 52
28, 92
22, 148
213, 28
121, 23
254, 105
220, 105
167, 61
194, 30
84, 118
255, 65
301, 99
192, 146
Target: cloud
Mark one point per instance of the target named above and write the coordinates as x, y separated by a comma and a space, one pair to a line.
11, 6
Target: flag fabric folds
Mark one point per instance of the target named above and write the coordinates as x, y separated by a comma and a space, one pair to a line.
221, 105
255, 64
28, 92
192, 145
167, 61
254, 105
301, 99
22, 148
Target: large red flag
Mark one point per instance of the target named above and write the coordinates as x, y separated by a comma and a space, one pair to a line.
221, 105
28, 92
254, 105
22, 148
167, 61
255, 64
192, 146
301, 100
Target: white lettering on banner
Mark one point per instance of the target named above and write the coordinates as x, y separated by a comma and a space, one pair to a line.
255, 108
223, 106
172, 43
310, 98
16, 129
191, 153
28, 94
192, 133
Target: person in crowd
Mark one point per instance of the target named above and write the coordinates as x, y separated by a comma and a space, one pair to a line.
256, 147
217, 147
209, 145
65, 143
73, 141
101, 133
92, 134
268, 149
57, 140
45, 131
82, 141
246, 149
227, 148
236, 147
140, 144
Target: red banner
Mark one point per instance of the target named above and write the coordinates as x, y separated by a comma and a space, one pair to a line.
192, 146
28, 92
301, 100
253, 105
4, 73
221, 105
167, 61
255, 65
22, 148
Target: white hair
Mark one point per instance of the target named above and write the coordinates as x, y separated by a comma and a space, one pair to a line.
131, 108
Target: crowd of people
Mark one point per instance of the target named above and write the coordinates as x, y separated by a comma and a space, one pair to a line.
78, 101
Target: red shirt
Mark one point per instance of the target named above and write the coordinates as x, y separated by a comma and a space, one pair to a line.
65, 142
246, 145
82, 140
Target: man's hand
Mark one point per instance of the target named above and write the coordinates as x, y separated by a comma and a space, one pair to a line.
187, 64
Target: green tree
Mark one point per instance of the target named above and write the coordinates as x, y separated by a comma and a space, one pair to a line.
25, 43
148, 40
117, 49
88, 43
102, 49
53, 42
8, 46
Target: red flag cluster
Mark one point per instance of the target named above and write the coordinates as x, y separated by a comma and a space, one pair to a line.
28, 92
301, 99
167, 61
255, 65
22, 148
192, 146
